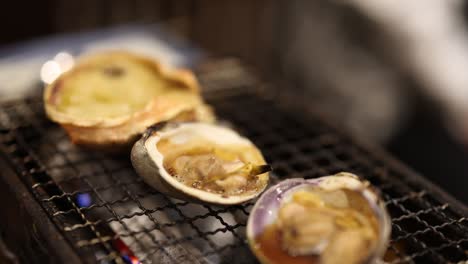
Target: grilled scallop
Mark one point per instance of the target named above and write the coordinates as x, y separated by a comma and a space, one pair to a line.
333, 219
200, 162
110, 98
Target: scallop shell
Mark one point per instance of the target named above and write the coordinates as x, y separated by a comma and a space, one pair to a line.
95, 79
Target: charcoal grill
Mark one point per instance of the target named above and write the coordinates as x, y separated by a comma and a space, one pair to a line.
44, 176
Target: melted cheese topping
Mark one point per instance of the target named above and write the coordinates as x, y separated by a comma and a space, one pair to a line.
110, 88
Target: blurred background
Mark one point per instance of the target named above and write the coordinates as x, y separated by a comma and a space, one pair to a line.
392, 72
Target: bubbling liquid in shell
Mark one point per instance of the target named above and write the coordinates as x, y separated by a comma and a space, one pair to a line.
321, 227
199, 163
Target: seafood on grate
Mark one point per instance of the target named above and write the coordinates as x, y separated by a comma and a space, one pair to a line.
200, 162
332, 219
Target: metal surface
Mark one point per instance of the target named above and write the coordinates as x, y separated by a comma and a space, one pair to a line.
428, 225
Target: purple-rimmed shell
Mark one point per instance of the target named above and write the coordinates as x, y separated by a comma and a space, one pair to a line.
265, 211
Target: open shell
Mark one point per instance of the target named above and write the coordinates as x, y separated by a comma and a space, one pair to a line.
149, 161
110, 98
265, 214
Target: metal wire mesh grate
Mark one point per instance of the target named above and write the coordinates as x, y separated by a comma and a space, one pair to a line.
100, 204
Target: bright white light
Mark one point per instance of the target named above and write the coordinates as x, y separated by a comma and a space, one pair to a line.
50, 71
65, 61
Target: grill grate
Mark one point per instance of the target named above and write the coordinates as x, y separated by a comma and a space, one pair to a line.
98, 202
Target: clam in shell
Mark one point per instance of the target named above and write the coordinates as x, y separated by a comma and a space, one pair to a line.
200, 162
332, 219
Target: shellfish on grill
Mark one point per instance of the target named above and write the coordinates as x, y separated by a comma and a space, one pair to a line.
200, 162
108, 99
332, 219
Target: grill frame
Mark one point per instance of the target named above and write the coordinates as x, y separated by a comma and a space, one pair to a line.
227, 86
